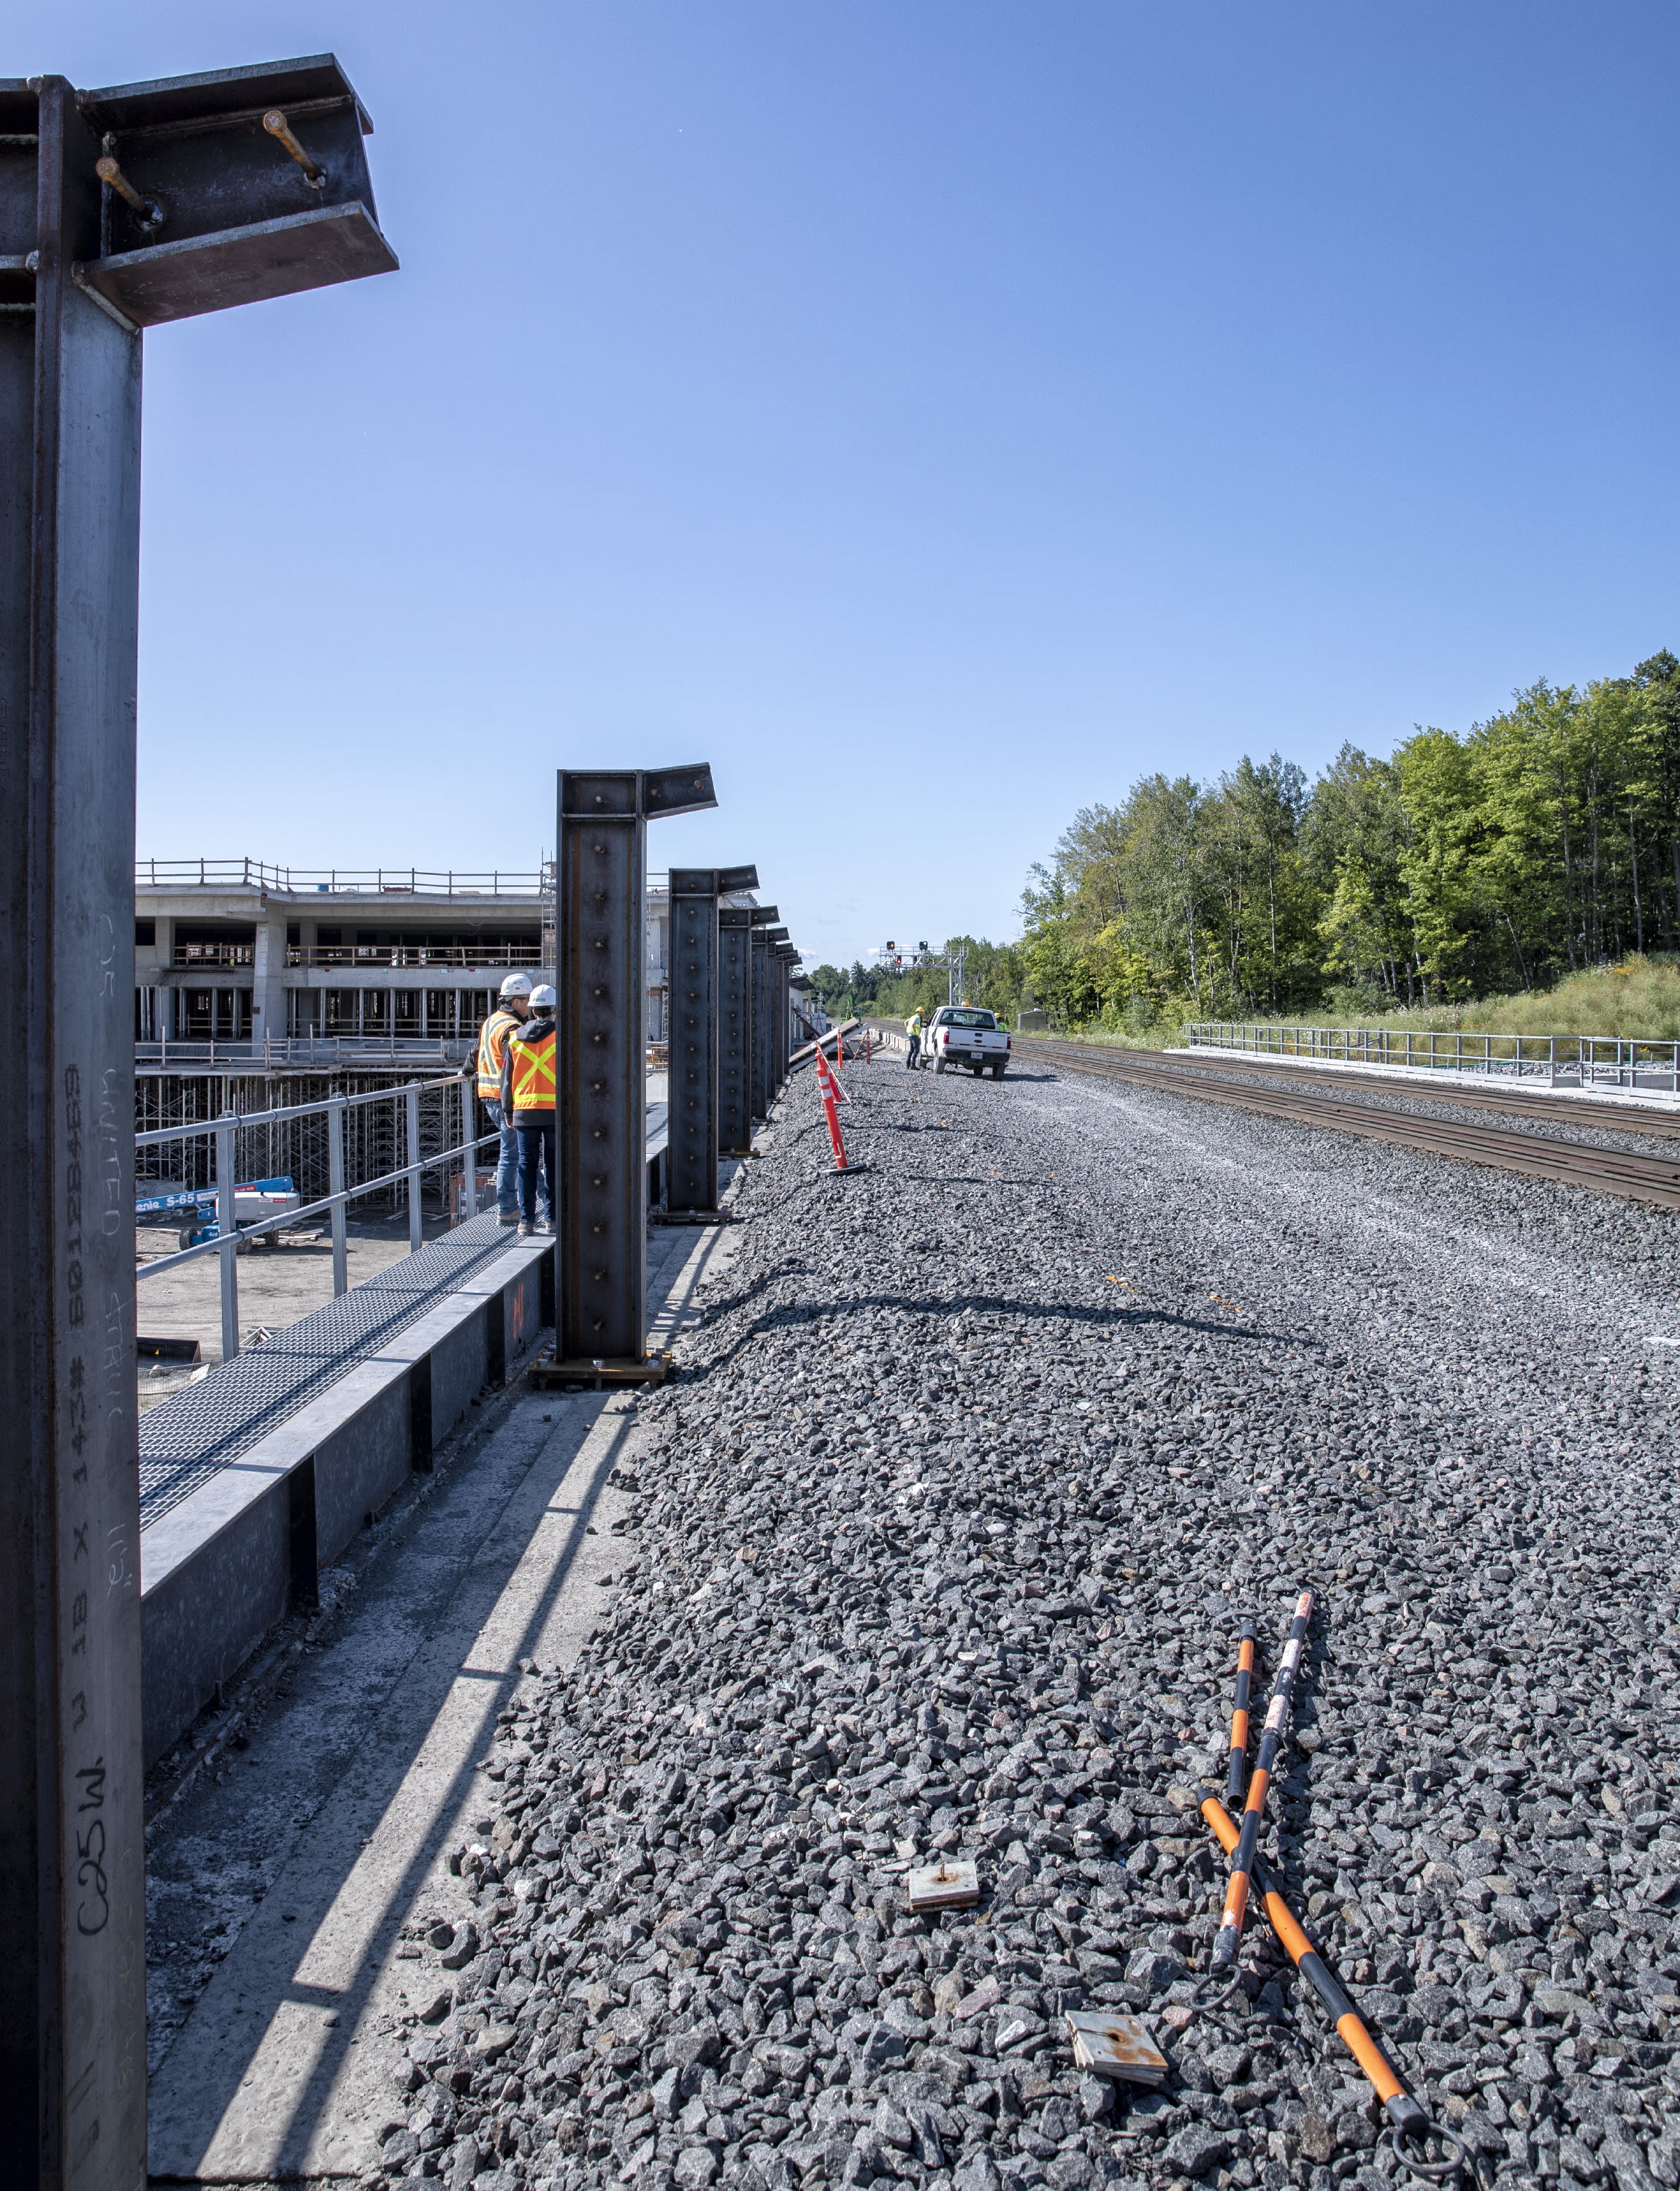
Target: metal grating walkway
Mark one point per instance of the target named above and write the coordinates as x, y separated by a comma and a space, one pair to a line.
189, 1437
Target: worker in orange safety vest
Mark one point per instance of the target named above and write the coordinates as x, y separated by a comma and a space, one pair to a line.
512, 1006
528, 1100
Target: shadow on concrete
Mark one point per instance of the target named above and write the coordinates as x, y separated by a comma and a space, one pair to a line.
282, 2069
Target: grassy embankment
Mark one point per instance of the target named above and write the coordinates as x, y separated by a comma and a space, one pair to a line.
1639, 999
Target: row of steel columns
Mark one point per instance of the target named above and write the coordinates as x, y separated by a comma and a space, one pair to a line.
119, 210
730, 968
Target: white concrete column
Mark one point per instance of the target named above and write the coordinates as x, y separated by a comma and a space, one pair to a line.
268, 984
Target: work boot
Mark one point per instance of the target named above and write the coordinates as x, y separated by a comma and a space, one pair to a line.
525, 1230
508, 1217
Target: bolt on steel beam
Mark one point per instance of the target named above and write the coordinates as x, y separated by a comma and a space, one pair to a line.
692, 1080
735, 1031
215, 214
601, 1086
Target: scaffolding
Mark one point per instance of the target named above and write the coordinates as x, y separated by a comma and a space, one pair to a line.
375, 1134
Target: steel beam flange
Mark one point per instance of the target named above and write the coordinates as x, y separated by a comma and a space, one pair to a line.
692, 1083
735, 1031
601, 1065
118, 208
764, 920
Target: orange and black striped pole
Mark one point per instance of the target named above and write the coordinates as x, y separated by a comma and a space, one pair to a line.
1409, 2118
1239, 1764
1229, 1938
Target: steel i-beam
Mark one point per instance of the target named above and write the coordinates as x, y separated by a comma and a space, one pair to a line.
778, 1016
735, 1031
795, 1035
692, 1081
119, 209
764, 916
601, 1092
786, 960
776, 1049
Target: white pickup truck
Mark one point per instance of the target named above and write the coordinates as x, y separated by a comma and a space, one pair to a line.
963, 1034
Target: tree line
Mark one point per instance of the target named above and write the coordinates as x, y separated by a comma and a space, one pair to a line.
1542, 841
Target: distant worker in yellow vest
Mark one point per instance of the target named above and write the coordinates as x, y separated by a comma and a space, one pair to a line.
528, 1099
513, 1007
912, 1027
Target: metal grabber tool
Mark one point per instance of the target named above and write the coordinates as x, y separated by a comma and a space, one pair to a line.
1410, 2126
1229, 1936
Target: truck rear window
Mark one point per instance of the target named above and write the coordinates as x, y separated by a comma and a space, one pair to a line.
966, 1019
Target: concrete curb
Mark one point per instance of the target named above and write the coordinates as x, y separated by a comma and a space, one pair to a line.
221, 1568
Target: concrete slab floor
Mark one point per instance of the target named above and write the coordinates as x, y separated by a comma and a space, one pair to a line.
276, 1287
280, 1888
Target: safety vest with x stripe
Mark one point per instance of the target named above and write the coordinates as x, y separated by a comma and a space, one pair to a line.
529, 1074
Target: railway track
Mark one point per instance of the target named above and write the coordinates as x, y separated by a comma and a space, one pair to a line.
1653, 1180
1521, 1101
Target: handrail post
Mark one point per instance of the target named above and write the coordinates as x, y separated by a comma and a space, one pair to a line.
227, 1227
335, 1182
411, 1105
469, 1158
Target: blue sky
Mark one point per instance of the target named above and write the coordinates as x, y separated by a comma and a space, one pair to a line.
934, 413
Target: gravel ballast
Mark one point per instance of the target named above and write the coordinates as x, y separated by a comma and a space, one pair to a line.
941, 1542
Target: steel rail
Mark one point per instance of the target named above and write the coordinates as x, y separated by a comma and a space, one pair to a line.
1564, 1110
1654, 1180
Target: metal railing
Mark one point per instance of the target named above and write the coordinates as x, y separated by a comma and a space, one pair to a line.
1557, 1061
224, 1131
316, 1051
375, 882
450, 956
213, 954
341, 882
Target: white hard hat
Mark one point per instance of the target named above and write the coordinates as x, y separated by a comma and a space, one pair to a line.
516, 985
543, 999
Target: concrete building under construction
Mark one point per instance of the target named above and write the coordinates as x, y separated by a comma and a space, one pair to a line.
290, 966
259, 987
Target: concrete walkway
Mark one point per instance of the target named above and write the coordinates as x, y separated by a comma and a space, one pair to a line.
322, 1847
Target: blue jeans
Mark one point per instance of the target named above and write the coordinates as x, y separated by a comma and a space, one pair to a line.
537, 1153
506, 1163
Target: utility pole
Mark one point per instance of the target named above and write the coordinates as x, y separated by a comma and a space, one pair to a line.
119, 210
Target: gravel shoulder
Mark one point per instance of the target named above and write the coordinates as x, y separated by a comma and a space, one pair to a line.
941, 1544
